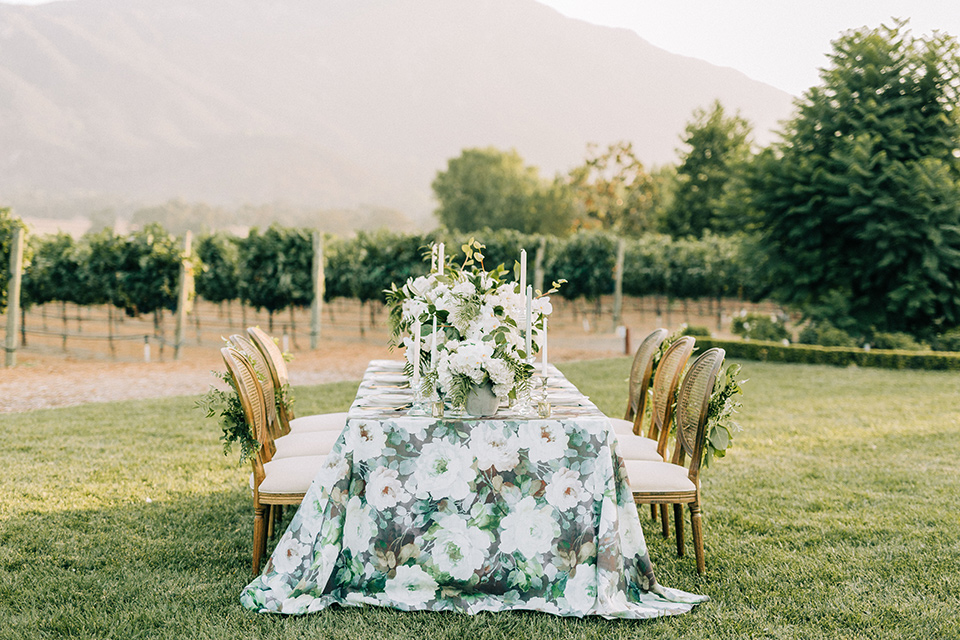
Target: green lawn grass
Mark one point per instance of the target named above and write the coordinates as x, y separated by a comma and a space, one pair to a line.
835, 515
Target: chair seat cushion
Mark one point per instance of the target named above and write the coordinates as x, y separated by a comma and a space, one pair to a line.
638, 448
621, 426
290, 475
307, 443
658, 477
319, 422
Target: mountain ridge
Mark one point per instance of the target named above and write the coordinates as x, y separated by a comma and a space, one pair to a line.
331, 103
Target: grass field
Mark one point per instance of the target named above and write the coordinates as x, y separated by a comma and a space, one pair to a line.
835, 515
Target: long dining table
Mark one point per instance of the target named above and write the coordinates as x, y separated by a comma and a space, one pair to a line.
466, 514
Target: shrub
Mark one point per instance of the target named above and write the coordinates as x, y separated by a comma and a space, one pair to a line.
755, 326
898, 340
825, 335
696, 331
948, 341
837, 356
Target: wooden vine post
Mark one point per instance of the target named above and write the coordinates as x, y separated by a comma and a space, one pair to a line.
13, 295
618, 284
184, 289
316, 305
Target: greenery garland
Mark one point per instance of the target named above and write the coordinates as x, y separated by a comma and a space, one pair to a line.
226, 407
720, 423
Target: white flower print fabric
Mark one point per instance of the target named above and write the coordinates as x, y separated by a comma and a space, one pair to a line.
468, 516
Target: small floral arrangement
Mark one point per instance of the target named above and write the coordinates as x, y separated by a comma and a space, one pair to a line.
474, 321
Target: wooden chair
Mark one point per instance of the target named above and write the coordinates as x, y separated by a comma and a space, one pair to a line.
639, 381
653, 446
278, 375
274, 482
666, 483
286, 444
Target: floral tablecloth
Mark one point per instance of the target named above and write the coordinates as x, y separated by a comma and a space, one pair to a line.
467, 515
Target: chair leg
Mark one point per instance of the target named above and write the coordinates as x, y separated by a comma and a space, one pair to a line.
664, 521
678, 525
271, 518
653, 512
259, 537
697, 525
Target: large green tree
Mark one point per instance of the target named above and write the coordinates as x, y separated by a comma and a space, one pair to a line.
717, 146
858, 205
490, 188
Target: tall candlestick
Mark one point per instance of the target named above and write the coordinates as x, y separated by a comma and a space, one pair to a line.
523, 270
416, 354
529, 321
433, 345
543, 347
440, 264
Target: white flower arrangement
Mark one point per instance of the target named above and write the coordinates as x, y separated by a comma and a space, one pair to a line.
473, 326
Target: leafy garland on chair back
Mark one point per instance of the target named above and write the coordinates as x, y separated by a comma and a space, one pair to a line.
226, 407
720, 423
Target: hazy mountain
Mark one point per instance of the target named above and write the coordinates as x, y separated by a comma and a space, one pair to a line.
327, 103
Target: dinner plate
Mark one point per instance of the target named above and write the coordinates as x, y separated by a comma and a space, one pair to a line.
394, 378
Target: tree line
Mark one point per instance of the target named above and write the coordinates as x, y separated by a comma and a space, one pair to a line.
854, 211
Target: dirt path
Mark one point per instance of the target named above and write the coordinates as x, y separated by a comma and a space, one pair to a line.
48, 381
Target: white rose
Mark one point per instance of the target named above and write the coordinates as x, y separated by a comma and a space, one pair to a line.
289, 554
444, 470
411, 586
544, 439
564, 490
492, 447
333, 469
358, 527
383, 490
581, 590
458, 549
366, 439
528, 529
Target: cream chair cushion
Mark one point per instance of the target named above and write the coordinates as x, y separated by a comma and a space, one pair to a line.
290, 475
658, 477
319, 422
308, 443
638, 448
621, 426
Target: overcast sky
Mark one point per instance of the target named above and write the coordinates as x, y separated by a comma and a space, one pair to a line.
780, 42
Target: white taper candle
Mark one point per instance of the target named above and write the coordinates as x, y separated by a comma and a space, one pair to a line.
433, 344
523, 270
416, 353
529, 321
440, 258
543, 346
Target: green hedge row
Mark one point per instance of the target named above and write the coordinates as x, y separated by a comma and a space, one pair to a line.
837, 356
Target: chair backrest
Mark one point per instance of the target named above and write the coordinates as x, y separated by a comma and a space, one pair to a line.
251, 399
665, 388
276, 364
640, 376
266, 381
692, 405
